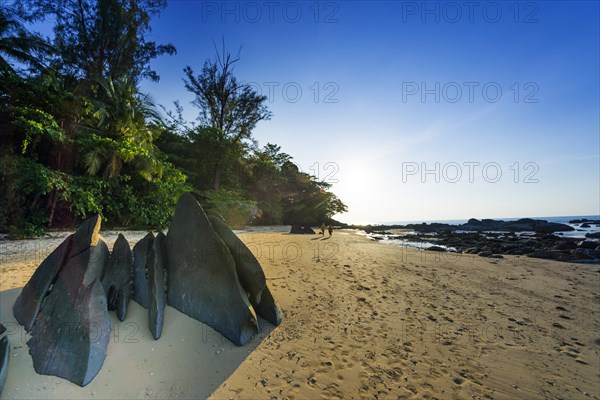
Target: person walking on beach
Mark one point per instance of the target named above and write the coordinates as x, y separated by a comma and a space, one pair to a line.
330, 230
322, 229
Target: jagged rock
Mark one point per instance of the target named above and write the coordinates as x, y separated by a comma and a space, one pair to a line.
4, 357
156, 287
297, 229
565, 245
27, 306
593, 235
549, 254
524, 250
585, 221
118, 277
250, 273
2, 329
486, 225
141, 253
587, 244
550, 227
202, 277
585, 254
436, 248
268, 308
71, 332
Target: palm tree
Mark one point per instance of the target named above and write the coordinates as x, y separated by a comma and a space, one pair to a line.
127, 123
17, 43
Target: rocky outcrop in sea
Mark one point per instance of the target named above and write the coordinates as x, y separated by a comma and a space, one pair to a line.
495, 238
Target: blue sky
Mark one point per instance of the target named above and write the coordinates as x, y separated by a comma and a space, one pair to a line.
390, 89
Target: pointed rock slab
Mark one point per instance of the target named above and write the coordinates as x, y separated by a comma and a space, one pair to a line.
118, 277
28, 304
156, 283
201, 275
268, 308
141, 253
71, 333
250, 273
4, 357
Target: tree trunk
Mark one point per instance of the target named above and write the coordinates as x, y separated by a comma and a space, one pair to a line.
52, 200
217, 182
60, 214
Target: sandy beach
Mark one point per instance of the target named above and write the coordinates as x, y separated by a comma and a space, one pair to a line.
362, 320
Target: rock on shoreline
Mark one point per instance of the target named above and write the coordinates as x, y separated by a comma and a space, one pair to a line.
494, 245
475, 225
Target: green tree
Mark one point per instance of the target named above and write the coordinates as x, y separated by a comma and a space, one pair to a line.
16, 43
28, 130
77, 137
122, 130
96, 40
101, 38
264, 182
231, 109
284, 194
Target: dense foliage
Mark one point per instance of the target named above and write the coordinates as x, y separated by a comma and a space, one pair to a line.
77, 137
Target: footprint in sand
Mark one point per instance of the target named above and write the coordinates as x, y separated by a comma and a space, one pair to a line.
571, 351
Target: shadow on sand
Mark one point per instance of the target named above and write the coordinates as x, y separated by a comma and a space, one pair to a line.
190, 360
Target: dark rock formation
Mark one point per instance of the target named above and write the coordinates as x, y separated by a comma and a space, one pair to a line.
141, 253
565, 245
202, 277
475, 225
71, 332
524, 224
118, 277
28, 304
436, 248
549, 254
2, 329
494, 244
268, 308
250, 273
4, 357
585, 254
550, 227
593, 235
489, 254
585, 221
297, 229
156, 286
588, 244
